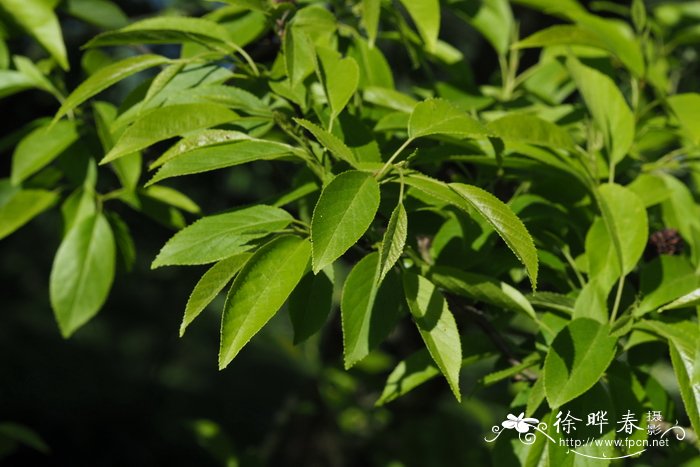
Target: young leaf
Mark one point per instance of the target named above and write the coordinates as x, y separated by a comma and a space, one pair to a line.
214, 238
17, 207
393, 241
368, 310
607, 106
329, 141
436, 325
107, 76
37, 18
426, 15
343, 213
440, 117
259, 290
579, 355
209, 286
82, 273
167, 122
493, 19
40, 147
310, 304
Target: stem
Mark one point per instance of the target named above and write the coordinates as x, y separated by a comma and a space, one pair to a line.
618, 296
379, 174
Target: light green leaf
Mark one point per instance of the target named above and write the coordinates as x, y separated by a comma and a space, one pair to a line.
370, 18
82, 273
343, 213
368, 310
310, 304
31, 71
688, 300
389, 98
665, 281
329, 141
167, 122
505, 222
436, 325
12, 82
107, 76
578, 357
299, 55
393, 241
37, 18
196, 140
426, 15
608, 108
686, 107
493, 19
340, 78
220, 156
626, 220
214, 238
259, 290
209, 286
410, 373
482, 288
173, 198
17, 207
40, 147
101, 13
167, 30
440, 117
374, 69
523, 128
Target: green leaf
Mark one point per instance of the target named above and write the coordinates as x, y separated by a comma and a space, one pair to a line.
214, 238
209, 286
436, 325
665, 281
310, 304
688, 300
340, 78
370, 18
493, 19
343, 213
167, 122
408, 375
220, 156
482, 288
626, 220
107, 76
12, 82
684, 365
578, 357
299, 55
426, 15
523, 128
368, 310
440, 117
40, 147
259, 290
166, 30
172, 197
82, 273
17, 207
196, 140
686, 107
393, 241
608, 108
505, 222
101, 13
37, 18
329, 141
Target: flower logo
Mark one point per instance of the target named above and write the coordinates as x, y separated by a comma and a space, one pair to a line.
522, 425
